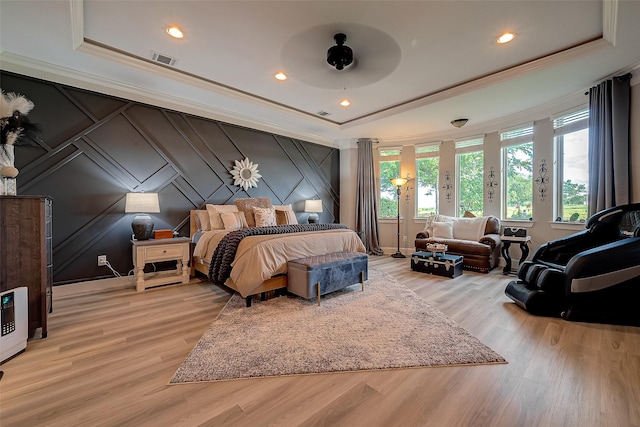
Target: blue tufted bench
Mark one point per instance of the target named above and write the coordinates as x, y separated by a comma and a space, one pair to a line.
320, 274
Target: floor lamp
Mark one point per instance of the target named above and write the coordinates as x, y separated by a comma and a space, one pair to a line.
398, 182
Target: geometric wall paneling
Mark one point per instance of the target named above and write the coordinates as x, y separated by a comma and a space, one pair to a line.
122, 142
96, 148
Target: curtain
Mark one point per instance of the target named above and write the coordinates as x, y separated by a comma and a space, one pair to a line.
609, 113
367, 199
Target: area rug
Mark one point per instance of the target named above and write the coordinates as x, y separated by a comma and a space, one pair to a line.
386, 326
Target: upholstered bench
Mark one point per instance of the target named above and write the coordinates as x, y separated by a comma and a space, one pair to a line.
320, 274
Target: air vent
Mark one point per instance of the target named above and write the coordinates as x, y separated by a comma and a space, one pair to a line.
163, 59
322, 113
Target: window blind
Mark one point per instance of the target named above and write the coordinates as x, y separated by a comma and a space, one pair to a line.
517, 135
571, 121
469, 145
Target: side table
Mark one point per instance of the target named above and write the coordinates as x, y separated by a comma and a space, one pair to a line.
506, 244
155, 250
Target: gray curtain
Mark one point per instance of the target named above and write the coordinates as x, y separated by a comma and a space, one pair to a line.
366, 199
609, 112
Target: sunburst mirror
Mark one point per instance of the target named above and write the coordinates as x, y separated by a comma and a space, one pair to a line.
245, 174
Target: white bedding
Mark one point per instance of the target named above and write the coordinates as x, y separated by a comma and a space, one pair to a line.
260, 257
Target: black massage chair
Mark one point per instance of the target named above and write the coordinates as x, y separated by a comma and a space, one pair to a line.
592, 275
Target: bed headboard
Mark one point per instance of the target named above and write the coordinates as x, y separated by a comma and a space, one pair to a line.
193, 227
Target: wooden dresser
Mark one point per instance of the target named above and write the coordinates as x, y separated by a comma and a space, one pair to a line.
26, 257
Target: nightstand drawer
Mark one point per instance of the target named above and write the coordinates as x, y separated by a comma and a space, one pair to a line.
163, 252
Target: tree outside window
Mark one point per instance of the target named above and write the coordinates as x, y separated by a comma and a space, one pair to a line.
517, 172
389, 168
428, 170
470, 175
519, 181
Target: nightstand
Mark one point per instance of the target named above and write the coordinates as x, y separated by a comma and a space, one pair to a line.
148, 251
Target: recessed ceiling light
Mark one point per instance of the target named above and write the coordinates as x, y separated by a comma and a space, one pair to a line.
280, 76
506, 38
345, 102
175, 32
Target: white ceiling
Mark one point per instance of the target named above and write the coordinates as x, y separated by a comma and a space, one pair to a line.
418, 64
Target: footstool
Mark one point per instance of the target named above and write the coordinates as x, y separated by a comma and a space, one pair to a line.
320, 274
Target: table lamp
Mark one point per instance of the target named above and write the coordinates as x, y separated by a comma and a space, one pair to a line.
142, 204
313, 207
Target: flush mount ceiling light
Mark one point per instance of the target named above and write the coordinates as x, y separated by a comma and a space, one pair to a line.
345, 102
280, 76
339, 56
175, 32
506, 38
459, 122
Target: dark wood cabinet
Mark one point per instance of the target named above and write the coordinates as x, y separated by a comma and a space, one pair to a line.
26, 257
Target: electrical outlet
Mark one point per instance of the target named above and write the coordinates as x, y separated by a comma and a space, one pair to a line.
102, 260
404, 238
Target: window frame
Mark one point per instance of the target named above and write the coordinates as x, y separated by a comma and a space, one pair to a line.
463, 146
564, 123
387, 158
513, 137
432, 150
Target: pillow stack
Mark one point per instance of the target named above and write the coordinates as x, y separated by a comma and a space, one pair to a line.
252, 212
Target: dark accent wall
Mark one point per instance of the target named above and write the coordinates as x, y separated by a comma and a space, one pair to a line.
96, 148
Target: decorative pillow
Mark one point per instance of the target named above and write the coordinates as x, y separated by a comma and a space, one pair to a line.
285, 215
202, 220
442, 230
265, 217
470, 228
214, 214
428, 225
233, 220
247, 205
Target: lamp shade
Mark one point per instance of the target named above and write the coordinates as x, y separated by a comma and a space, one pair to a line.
313, 206
142, 203
398, 182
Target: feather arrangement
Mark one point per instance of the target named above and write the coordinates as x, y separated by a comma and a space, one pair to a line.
15, 127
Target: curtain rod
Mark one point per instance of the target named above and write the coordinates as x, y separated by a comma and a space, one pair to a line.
621, 78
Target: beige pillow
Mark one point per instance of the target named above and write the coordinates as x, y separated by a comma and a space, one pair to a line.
265, 217
233, 220
428, 226
247, 205
285, 215
202, 220
214, 214
442, 230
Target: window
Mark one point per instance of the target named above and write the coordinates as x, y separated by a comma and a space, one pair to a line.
427, 170
571, 137
469, 173
389, 168
517, 167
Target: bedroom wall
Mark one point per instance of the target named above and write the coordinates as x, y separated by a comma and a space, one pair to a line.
96, 148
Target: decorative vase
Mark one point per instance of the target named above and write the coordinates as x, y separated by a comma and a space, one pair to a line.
8, 184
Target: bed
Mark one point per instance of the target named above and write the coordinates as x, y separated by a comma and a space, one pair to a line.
260, 261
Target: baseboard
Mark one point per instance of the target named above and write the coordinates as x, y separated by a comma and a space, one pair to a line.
94, 285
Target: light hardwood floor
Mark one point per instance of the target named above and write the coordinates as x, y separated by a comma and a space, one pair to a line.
110, 354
